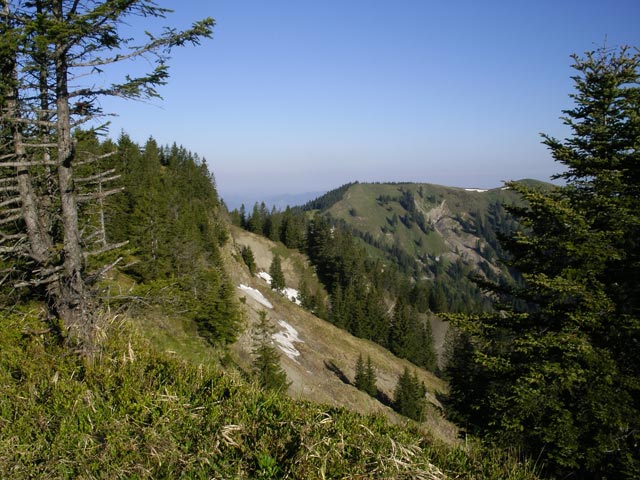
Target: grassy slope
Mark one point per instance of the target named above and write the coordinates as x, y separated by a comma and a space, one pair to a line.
137, 413
157, 405
370, 216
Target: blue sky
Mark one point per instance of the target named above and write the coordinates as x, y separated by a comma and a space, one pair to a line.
306, 95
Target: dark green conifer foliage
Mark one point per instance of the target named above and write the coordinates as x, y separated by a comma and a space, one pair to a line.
275, 270
360, 377
399, 332
213, 307
420, 348
371, 379
365, 378
375, 317
409, 396
292, 229
272, 225
169, 212
248, 258
266, 364
559, 378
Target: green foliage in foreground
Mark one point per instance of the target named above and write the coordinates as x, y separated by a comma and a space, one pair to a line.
555, 371
134, 413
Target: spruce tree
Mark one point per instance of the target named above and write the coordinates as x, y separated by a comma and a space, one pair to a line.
409, 396
277, 277
361, 374
249, 260
556, 369
365, 377
370, 374
266, 364
399, 334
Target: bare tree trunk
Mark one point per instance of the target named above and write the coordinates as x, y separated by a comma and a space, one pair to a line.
39, 241
70, 291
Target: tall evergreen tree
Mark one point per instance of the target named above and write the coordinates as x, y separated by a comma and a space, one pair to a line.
399, 333
249, 259
277, 277
559, 378
365, 377
370, 374
47, 47
360, 378
266, 364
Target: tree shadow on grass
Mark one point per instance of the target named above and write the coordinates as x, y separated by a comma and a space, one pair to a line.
337, 371
332, 367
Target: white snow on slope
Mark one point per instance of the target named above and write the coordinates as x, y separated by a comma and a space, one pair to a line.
475, 190
265, 276
256, 295
286, 338
290, 293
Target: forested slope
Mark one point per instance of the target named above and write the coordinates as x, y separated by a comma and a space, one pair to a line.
153, 407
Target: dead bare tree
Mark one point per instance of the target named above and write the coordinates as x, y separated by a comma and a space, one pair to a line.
50, 50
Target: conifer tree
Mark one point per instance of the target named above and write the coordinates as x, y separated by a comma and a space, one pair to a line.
277, 277
266, 364
409, 396
370, 374
555, 370
214, 308
49, 52
365, 377
249, 259
361, 374
399, 332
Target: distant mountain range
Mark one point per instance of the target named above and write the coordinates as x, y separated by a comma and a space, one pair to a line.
280, 201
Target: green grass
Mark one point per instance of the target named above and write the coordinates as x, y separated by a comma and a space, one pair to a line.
135, 412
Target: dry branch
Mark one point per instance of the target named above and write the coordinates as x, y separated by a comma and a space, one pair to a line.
38, 163
87, 197
98, 176
10, 219
106, 248
11, 201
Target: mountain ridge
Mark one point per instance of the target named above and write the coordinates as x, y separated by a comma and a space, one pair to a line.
433, 233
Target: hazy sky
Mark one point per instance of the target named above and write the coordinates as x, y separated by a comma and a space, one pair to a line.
306, 95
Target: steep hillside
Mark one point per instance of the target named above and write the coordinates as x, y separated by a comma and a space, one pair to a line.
431, 223
320, 358
137, 412
433, 233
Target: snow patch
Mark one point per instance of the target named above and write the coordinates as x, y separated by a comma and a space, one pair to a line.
256, 295
480, 190
265, 276
285, 340
290, 293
